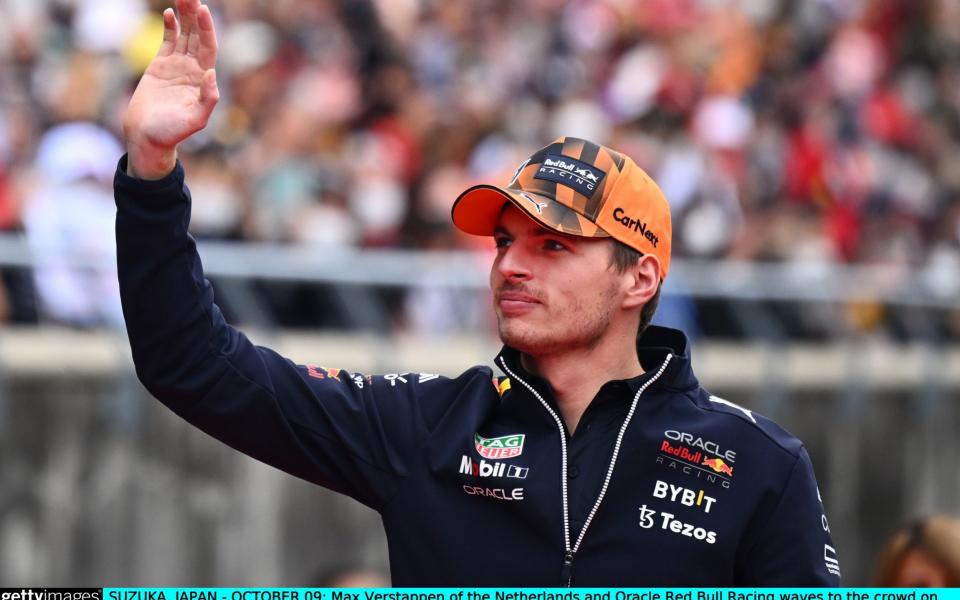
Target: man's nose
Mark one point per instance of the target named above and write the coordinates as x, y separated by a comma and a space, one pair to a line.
513, 266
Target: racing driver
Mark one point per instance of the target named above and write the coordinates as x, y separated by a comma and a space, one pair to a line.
594, 458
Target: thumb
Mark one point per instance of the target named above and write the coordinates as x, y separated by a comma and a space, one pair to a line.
209, 93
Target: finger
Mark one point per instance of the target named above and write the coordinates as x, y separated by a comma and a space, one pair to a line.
187, 10
207, 53
171, 30
209, 92
190, 14
193, 43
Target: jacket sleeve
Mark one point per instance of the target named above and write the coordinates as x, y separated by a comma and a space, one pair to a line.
347, 432
792, 546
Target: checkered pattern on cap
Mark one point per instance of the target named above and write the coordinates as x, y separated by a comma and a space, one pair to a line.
580, 188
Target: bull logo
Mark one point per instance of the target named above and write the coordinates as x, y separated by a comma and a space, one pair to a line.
586, 174
718, 465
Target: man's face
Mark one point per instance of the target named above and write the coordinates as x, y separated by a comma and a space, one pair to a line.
551, 291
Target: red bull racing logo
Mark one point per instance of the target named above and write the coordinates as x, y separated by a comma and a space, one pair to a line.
718, 465
697, 457
681, 452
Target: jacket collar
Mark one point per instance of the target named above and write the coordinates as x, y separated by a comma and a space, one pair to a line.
652, 349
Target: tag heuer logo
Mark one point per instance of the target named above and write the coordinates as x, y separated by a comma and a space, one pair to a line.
506, 446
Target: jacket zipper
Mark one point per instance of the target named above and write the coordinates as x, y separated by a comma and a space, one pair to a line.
566, 569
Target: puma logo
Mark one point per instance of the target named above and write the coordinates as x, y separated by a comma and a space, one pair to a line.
538, 205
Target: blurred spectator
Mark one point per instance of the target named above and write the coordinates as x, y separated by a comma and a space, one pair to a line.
923, 553
218, 208
17, 298
68, 218
349, 577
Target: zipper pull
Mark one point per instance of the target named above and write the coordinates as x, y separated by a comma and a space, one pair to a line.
566, 572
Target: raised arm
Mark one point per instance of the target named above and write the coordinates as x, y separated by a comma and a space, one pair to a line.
176, 94
346, 432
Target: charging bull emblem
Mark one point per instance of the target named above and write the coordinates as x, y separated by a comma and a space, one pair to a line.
718, 465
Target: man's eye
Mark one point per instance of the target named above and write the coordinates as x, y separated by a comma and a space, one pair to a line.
553, 245
501, 242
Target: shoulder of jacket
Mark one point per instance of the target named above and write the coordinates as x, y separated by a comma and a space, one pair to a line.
744, 422
416, 384
467, 377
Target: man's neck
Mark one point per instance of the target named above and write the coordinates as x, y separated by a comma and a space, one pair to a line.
577, 375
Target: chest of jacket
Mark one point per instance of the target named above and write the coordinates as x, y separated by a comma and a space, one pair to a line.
508, 494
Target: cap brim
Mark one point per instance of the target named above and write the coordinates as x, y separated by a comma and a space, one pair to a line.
477, 210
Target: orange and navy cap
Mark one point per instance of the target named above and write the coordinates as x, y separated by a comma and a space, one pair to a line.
579, 188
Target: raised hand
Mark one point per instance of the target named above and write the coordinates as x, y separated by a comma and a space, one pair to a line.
176, 94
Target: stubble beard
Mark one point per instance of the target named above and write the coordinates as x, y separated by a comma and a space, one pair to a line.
576, 328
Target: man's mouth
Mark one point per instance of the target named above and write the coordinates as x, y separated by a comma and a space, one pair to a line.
516, 303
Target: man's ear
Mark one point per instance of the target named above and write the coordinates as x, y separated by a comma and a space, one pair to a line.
643, 279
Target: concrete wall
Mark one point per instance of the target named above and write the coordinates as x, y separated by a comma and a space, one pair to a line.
99, 484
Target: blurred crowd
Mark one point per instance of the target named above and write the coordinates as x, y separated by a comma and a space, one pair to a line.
824, 130
924, 552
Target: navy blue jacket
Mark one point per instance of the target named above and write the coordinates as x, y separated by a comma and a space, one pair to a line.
476, 477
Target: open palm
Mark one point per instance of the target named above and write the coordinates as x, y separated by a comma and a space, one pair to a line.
178, 90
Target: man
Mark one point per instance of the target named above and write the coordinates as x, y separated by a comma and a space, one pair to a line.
596, 460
